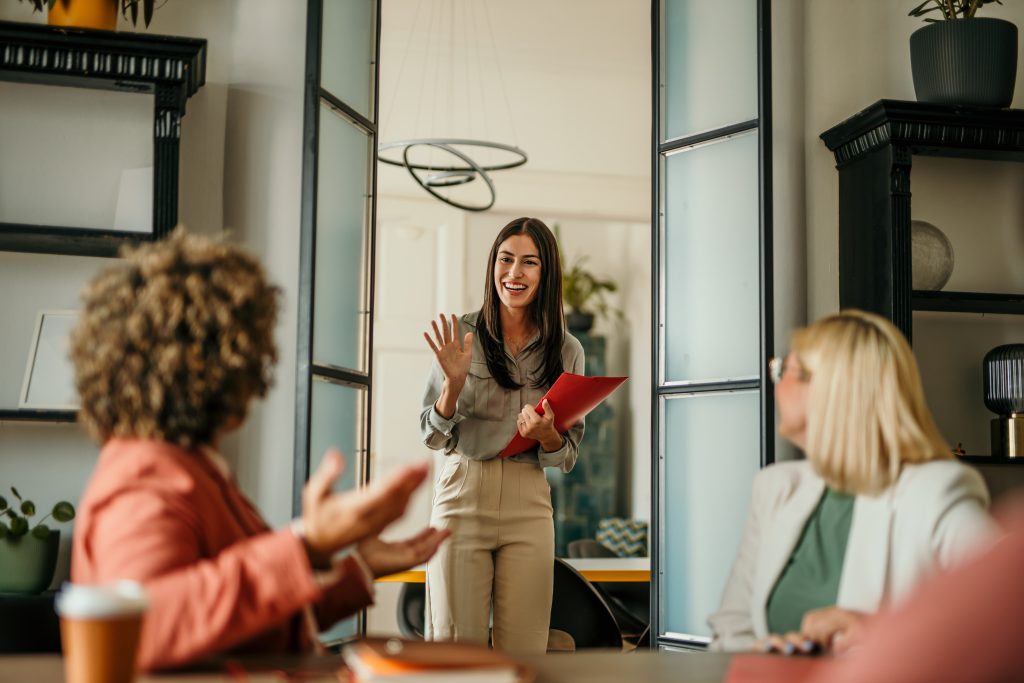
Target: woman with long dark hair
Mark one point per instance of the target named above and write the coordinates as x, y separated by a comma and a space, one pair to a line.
490, 369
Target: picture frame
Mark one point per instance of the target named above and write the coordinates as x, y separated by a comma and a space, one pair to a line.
49, 375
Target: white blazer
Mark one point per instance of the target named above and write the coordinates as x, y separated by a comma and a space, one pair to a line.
933, 516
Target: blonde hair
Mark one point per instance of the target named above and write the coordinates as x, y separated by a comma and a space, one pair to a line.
866, 412
174, 341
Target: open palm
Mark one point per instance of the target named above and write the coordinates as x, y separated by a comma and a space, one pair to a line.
452, 354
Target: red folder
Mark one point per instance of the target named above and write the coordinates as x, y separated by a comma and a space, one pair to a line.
571, 398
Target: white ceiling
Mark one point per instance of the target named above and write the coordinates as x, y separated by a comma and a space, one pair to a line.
576, 74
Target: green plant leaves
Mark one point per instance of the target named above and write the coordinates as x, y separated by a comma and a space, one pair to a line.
41, 531
28, 508
4, 531
19, 527
63, 511
15, 492
3, 503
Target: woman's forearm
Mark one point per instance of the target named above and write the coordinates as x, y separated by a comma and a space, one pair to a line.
446, 402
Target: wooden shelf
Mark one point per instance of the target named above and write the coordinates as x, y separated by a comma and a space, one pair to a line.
989, 460
29, 415
968, 302
169, 68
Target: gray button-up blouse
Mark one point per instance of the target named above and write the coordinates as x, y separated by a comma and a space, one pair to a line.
485, 414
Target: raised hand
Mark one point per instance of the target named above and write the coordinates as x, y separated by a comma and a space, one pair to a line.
388, 558
452, 354
540, 427
332, 521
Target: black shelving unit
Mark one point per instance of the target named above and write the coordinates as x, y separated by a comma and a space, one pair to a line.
874, 151
968, 302
31, 415
170, 68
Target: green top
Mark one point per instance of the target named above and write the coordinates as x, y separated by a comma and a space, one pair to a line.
811, 577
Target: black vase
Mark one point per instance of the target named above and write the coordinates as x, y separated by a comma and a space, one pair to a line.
968, 62
578, 321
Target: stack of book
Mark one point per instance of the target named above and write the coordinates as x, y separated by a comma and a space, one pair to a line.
402, 661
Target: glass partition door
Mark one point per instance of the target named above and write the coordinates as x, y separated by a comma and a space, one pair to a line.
712, 298
335, 275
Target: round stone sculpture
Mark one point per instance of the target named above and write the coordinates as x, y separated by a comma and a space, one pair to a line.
931, 256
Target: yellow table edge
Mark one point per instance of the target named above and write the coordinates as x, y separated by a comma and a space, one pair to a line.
595, 575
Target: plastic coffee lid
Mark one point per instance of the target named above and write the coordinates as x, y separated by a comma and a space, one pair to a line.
90, 601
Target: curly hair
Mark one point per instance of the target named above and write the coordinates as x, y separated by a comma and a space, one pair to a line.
174, 342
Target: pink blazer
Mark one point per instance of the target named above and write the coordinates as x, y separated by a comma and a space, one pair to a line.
218, 579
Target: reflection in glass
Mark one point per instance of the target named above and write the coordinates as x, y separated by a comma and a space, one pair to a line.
710, 456
341, 232
336, 421
711, 262
697, 63
76, 157
346, 52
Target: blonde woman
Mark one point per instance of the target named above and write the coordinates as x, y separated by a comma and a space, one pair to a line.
878, 503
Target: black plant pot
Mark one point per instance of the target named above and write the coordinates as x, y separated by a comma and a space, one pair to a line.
578, 321
969, 62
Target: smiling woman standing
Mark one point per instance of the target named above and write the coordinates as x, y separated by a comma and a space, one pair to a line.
490, 369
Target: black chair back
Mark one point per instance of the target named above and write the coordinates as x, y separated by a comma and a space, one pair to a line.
412, 603
579, 610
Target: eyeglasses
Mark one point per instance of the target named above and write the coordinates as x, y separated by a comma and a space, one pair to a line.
777, 367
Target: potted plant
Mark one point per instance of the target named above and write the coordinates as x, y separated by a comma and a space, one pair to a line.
959, 58
28, 554
100, 14
583, 292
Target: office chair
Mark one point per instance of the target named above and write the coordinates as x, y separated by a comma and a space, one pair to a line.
579, 610
630, 602
412, 601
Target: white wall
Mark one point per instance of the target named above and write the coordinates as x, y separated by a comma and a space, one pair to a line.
240, 171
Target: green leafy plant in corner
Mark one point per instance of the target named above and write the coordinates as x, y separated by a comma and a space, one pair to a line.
129, 8
15, 522
949, 9
582, 291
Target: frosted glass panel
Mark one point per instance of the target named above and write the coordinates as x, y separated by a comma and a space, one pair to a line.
336, 422
342, 198
710, 67
711, 262
346, 60
711, 454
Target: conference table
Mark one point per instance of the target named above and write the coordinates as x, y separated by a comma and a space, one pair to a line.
596, 570
584, 667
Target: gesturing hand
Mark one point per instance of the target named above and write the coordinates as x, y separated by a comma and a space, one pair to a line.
332, 521
539, 427
388, 558
453, 357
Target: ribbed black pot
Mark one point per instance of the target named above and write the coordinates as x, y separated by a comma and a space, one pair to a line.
970, 62
1003, 379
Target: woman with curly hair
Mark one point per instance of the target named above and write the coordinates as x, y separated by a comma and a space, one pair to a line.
171, 347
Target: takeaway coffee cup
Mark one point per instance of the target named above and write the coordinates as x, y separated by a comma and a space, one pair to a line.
99, 629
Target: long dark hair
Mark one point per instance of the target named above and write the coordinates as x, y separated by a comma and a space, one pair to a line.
545, 310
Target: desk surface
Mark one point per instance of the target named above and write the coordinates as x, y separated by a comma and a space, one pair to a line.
607, 569
586, 667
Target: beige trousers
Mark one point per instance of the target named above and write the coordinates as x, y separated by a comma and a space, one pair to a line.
501, 552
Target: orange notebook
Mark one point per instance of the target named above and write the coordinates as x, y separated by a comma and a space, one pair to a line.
394, 660
571, 398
